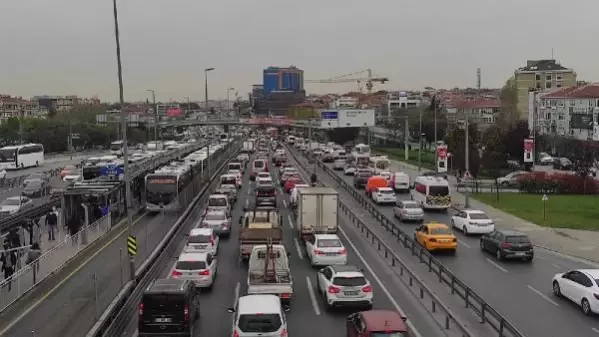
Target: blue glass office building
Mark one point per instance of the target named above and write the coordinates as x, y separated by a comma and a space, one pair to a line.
283, 79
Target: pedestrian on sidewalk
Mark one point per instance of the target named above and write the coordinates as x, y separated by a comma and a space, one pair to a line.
35, 234
51, 222
33, 257
9, 261
74, 230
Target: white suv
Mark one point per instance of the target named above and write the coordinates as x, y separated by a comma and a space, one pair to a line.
344, 286
259, 315
384, 195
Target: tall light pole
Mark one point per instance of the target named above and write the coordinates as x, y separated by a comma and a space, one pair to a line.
420, 143
188, 104
467, 161
128, 209
206, 86
155, 115
228, 104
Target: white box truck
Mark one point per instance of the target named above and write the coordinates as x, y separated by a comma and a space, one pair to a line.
317, 209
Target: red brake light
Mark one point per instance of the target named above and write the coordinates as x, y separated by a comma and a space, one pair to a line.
334, 290
212, 240
367, 289
343, 251
186, 313
141, 308
505, 245
432, 240
454, 240
284, 333
257, 193
318, 252
205, 272
285, 295
235, 333
177, 273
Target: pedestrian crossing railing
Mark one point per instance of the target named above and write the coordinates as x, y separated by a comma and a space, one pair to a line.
56, 254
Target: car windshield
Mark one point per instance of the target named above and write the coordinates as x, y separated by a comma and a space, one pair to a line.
215, 216
11, 202
329, 243
258, 164
190, 265
410, 205
517, 239
478, 216
441, 231
199, 239
266, 190
217, 202
235, 166
261, 323
386, 192
349, 281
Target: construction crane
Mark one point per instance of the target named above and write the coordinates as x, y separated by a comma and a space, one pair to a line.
368, 79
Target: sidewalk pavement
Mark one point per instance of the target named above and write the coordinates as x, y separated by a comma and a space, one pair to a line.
54, 255
575, 242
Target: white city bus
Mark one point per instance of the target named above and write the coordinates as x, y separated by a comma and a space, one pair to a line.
21, 156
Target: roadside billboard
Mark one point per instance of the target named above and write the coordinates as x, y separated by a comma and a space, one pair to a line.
356, 118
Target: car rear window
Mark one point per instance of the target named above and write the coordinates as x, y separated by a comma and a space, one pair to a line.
349, 281
258, 164
478, 216
410, 205
517, 239
261, 323
163, 303
235, 166
190, 265
199, 239
386, 192
266, 191
215, 216
217, 202
329, 243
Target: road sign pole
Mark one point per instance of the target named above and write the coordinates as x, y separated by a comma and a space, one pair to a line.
132, 251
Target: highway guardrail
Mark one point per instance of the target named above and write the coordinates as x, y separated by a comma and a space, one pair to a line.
121, 309
486, 313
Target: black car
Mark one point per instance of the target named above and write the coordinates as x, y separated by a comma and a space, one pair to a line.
266, 195
361, 178
508, 244
168, 307
563, 164
36, 189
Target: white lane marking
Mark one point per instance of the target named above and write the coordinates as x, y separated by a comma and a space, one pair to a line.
299, 249
595, 329
378, 280
543, 296
289, 221
247, 203
496, 265
249, 190
285, 203
235, 299
312, 296
556, 265
464, 244
281, 191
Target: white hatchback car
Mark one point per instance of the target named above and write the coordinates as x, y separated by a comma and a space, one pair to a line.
472, 222
202, 240
384, 195
350, 170
326, 250
200, 268
259, 315
344, 286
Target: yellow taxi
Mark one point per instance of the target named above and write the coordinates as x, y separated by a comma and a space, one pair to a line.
436, 237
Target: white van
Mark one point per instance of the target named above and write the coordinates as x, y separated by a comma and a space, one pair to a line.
431, 192
259, 315
400, 182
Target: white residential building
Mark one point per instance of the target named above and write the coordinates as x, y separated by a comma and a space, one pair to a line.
345, 103
402, 100
571, 112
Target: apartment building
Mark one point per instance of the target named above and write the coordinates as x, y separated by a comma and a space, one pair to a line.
345, 102
544, 75
482, 111
18, 107
571, 112
403, 100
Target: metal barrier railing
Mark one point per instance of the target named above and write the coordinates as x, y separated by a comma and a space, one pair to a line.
486, 313
27, 276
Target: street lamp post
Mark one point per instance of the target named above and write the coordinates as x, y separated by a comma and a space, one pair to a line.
128, 209
155, 115
206, 86
188, 104
228, 104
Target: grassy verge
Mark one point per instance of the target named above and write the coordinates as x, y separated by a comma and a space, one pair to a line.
427, 161
561, 211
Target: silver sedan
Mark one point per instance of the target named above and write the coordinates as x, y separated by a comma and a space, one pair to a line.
408, 210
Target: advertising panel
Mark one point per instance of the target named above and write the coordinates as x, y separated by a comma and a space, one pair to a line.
356, 118
442, 158
528, 150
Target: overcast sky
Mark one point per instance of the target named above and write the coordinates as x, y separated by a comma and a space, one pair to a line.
63, 47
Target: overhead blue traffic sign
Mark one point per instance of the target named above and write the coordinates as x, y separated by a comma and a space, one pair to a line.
111, 170
329, 114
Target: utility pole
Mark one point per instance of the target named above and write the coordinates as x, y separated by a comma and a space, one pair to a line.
467, 163
406, 139
21, 113
206, 86
420, 143
155, 115
70, 139
310, 145
124, 127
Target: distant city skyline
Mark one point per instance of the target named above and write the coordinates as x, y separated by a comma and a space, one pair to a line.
65, 47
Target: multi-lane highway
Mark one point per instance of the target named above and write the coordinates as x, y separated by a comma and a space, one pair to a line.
308, 316
71, 306
520, 291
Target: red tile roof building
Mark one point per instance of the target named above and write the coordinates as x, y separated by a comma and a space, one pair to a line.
480, 110
19, 107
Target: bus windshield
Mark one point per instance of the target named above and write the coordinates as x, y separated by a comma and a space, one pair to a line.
161, 190
116, 146
7, 155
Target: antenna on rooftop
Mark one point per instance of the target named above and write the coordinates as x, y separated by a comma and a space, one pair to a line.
478, 78
552, 56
